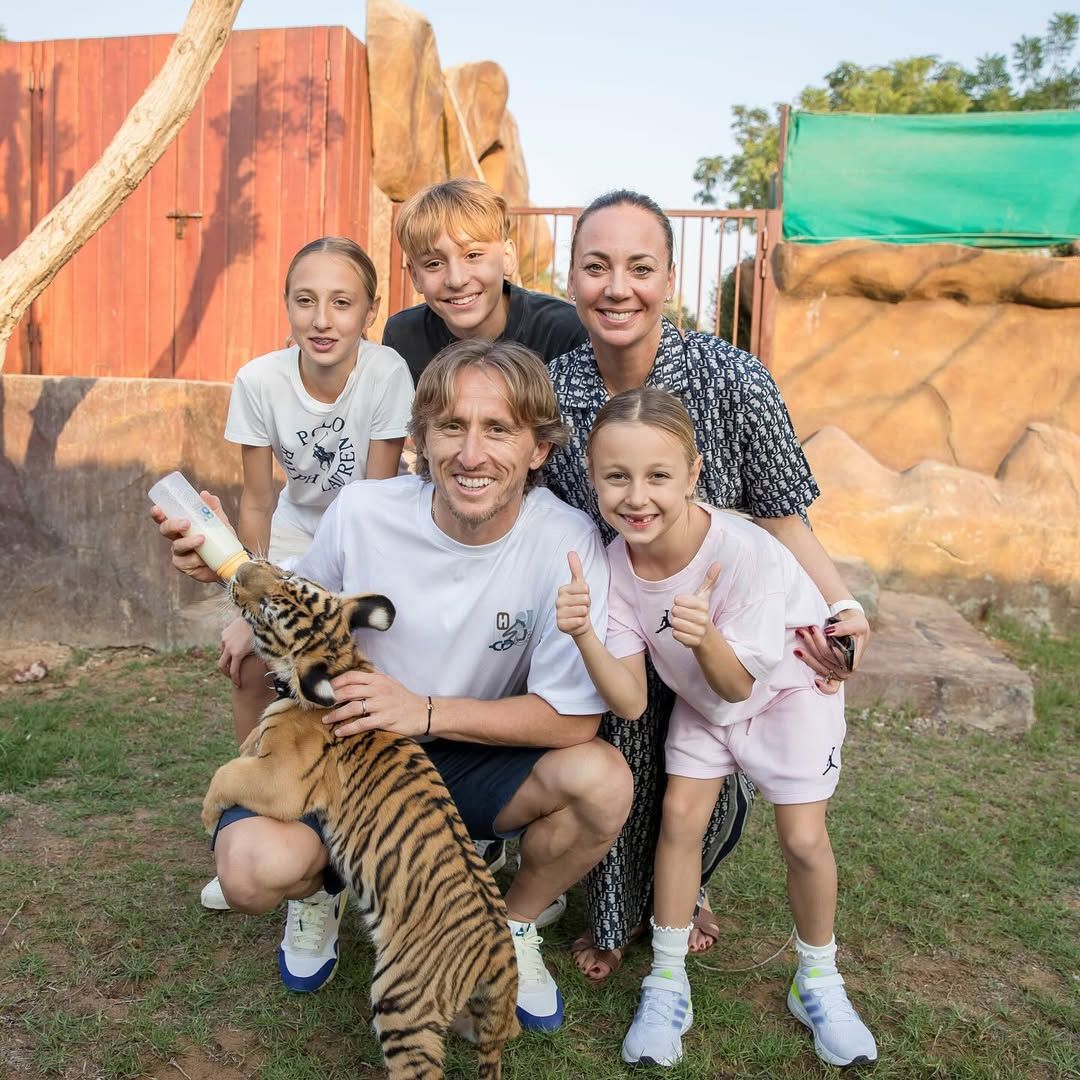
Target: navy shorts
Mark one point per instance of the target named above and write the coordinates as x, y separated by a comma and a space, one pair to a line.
481, 781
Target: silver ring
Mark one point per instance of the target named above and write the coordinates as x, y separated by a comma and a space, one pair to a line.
830, 677
363, 706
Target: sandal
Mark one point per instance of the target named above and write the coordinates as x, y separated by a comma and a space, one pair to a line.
704, 922
605, 962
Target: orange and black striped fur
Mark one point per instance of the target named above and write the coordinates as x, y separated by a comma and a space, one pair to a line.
437, 920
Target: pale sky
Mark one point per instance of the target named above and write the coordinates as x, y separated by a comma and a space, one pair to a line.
621, 94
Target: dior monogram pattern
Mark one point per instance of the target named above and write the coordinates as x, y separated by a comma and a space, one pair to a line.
752, 462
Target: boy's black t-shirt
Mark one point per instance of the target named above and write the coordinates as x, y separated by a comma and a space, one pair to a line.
545, 324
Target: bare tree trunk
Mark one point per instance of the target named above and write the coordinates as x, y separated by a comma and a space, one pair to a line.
143, 137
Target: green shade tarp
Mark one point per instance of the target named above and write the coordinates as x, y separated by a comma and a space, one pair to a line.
988, 179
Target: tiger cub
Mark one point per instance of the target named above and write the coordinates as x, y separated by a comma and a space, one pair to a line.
437, 920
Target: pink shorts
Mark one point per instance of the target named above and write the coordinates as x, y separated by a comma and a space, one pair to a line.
791, 749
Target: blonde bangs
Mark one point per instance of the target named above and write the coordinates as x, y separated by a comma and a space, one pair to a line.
463, 209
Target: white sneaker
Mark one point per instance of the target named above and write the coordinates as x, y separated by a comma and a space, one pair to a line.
821, 1003
664, 1014
552, 913
212, 897
308, 954
539, 1001
493, 852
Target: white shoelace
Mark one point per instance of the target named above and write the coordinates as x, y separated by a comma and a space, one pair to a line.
307, 923
530, 962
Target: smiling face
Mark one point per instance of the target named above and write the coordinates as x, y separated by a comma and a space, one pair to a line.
479, 455
621, 275
644, 482
462, 282
329, 309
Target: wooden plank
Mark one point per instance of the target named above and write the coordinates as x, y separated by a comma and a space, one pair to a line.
60, 165
162, 276
208, 345
40, 57
187, 243
321, 62
298, 157
111, 271
84, 328
334, 147
241, 226
16, 99
360, 121
136, 314
268, 323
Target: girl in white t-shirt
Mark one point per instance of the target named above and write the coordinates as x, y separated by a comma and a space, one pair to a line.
716, 602
332, 408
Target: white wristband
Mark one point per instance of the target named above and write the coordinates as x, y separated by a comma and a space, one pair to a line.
850, 604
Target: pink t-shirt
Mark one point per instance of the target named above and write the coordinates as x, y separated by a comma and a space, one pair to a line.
760, 597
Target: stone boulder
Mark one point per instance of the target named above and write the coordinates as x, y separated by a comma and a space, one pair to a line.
481, 90
80, 560
925, 658
406, 86
894, 273
927, 352
461, 159
504, 164
504, 169
859, 577
976, 540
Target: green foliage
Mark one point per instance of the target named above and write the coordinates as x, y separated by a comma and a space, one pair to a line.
1043, 75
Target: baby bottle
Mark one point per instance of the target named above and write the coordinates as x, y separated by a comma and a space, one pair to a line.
221, 550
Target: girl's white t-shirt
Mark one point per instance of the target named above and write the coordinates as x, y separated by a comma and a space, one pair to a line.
321, 446
760, 598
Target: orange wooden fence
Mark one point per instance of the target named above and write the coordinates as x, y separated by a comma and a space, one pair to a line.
185, 280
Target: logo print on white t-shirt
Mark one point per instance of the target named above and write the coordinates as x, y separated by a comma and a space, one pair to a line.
516, 632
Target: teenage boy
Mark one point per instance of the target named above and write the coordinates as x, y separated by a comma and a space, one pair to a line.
456, 239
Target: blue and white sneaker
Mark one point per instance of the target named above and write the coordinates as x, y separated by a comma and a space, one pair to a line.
308, 954
664, 1015
821, 1003
539, 1000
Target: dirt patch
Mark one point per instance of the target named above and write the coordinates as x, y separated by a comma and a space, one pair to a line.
63, 665
16, 657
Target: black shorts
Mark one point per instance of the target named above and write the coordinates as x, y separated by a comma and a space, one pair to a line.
481, 780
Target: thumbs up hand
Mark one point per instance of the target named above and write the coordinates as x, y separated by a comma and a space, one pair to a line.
572, 604
689, 616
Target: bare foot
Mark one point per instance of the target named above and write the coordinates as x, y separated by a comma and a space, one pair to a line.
595, 964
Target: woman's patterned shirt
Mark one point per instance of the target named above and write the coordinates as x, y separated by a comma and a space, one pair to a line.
752, 460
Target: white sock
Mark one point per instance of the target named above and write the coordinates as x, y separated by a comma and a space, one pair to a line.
517, 928
670, 944
816, 959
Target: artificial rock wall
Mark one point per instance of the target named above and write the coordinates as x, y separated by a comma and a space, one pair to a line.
80, 560
937, 390
430, 124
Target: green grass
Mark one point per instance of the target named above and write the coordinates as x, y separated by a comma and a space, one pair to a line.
957, 918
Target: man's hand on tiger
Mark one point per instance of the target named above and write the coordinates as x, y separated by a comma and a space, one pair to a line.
370, 699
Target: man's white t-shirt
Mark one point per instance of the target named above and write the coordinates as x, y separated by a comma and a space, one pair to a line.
761, 596
321, 446
472, 621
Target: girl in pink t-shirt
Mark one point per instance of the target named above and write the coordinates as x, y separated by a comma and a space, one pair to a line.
716, 602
